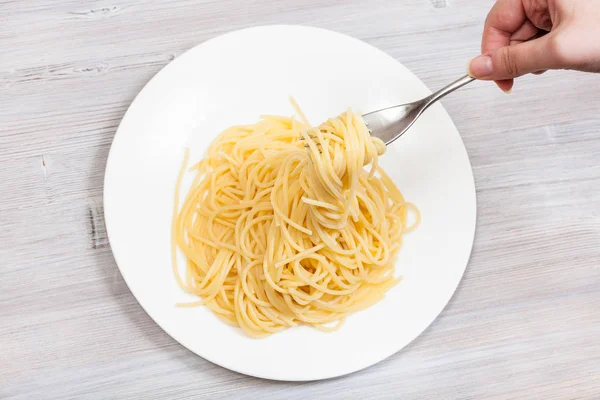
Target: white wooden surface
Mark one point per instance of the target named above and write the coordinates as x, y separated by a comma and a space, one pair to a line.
524, 323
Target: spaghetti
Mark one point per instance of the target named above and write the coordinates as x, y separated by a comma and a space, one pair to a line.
285, 224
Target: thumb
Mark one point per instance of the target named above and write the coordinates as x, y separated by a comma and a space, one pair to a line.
513, 61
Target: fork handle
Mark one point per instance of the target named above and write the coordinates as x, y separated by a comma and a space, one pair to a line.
429, 100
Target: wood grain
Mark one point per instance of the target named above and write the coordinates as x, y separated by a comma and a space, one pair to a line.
524, 323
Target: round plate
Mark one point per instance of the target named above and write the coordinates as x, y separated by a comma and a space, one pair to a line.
232, 80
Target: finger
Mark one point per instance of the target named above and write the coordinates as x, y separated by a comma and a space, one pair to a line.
506, 85
504, 19
524, 33
513, 61
540, 72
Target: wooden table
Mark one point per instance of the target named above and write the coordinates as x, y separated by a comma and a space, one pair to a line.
524, 323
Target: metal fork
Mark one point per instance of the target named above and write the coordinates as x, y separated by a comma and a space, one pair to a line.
390, 123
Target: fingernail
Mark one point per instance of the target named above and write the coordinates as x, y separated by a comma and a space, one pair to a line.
480, 67
509, 91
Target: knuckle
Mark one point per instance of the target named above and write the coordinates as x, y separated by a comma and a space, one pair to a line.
509, 61
538, 12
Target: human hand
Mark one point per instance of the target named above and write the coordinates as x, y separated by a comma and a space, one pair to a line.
569, 38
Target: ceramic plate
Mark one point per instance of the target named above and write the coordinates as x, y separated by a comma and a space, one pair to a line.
233, 79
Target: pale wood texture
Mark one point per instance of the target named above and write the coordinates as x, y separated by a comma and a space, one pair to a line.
524, 323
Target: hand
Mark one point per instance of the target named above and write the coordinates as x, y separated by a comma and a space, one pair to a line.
566, 35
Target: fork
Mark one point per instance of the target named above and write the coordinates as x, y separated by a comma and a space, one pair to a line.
388, 124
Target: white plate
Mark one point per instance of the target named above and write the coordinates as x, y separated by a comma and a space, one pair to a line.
231, 80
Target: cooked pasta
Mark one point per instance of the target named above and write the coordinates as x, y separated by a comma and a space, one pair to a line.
285, 224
